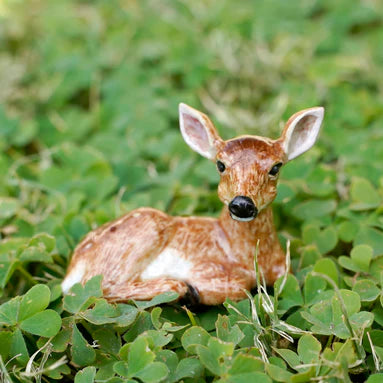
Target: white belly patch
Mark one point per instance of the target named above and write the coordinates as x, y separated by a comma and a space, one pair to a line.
168, 264
73, 277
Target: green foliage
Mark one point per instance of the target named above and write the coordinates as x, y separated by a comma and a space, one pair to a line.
88, 131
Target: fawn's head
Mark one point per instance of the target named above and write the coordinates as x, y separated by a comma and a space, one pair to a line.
249, 165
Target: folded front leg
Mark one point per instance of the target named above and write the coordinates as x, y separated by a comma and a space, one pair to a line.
216, 282
214, 291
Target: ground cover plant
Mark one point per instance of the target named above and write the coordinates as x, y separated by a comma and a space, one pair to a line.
89, 130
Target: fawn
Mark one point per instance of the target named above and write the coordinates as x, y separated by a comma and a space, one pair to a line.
147, 252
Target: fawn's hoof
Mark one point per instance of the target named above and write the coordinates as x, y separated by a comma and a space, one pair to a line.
191, 299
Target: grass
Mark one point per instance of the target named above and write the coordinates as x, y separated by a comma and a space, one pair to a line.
89, 131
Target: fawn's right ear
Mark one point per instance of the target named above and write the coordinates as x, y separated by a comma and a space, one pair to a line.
301, 131
199, 132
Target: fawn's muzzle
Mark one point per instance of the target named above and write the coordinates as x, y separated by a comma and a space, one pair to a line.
242, 209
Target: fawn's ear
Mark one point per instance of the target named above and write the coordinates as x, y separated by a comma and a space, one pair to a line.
199, 132
301, 131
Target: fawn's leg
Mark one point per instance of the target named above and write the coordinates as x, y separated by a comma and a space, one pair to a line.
144, 290
214, 291
215, 286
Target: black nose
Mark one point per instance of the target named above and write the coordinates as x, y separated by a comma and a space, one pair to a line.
243, 207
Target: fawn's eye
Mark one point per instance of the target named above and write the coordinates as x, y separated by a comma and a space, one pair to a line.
275, 169
221, 166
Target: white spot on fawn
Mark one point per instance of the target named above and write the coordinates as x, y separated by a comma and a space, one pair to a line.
88, 245
73, 277
168, 264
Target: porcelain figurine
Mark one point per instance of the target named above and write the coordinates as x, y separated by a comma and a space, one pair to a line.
147, 252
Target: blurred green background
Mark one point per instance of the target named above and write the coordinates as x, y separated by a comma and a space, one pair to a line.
89, 94
90, 90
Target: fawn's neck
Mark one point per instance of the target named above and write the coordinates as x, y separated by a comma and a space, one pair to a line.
263, 224
243, 238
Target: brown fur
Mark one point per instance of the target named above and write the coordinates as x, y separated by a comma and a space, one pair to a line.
220, 251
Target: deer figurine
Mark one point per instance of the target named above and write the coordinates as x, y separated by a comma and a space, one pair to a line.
147, 252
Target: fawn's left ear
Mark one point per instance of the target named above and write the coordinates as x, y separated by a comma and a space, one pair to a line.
199, 132
301, 131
